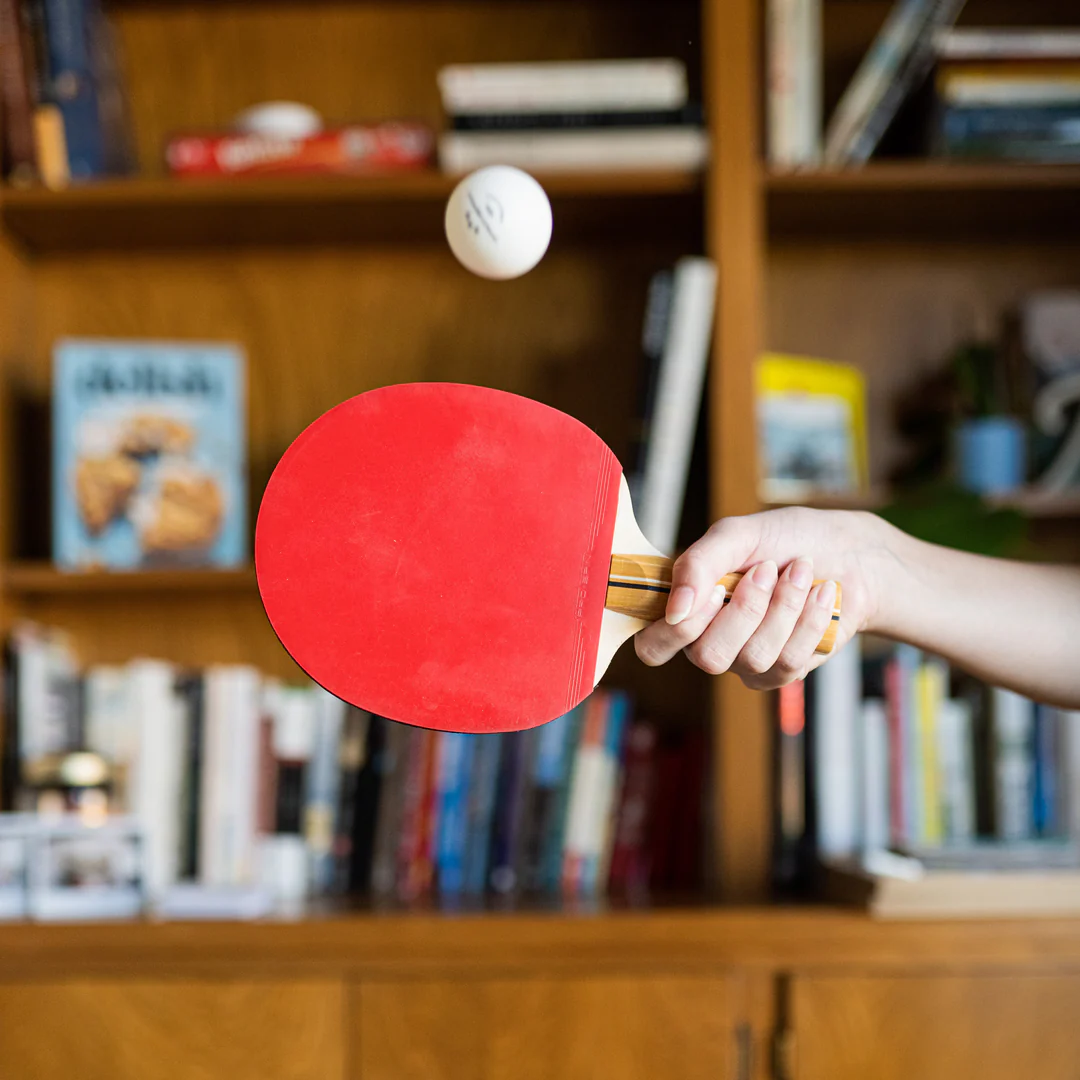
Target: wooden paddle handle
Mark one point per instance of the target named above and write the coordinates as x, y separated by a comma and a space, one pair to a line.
638, 585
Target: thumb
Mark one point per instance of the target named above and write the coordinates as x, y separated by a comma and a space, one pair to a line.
727, 546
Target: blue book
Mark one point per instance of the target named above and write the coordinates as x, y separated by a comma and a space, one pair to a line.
149, 454
71, 84
455, 753
1044, 816
487, 753
618, 714
549, 770
551, 877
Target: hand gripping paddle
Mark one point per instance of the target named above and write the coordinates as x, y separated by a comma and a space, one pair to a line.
456, 557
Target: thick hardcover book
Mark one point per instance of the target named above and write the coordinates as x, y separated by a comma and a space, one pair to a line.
149, 454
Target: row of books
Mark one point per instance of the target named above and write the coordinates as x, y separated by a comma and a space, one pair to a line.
888, 753
571, 116
1009, 95
257, 794
997, 93
63, 106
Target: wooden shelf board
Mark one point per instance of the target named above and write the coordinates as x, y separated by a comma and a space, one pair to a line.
34, 578
926, 199
1038, 504
149, 212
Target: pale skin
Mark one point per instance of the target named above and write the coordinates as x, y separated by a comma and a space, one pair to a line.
1012, 624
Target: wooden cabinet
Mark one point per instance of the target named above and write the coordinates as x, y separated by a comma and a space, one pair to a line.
624, 1028
992, 1025
120, 1029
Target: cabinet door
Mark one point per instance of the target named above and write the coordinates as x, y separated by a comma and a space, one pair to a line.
936, 1027
172, 1030
521, 1029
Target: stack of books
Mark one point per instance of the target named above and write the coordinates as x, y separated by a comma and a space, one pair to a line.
250, 796
892, 765
1008, 94
581, 116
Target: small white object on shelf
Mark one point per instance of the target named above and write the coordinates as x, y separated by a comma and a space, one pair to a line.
498, 222
279, 120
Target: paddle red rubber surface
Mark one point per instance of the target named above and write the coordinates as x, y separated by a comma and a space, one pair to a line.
437, 553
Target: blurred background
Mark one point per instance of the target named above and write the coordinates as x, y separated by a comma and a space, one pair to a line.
814, 252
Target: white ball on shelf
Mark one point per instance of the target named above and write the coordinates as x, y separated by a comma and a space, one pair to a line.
498, 222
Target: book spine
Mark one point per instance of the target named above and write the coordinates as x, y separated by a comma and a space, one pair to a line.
1047, 753
1013, 723
586, 785
388, 816
509, 805
653, 148
838, 689
678, 402
956, 753
485, 775
17, 89
931, 687
894, 703
794, 83
563, 121
454, 766
71, 85
577, 86
874, 729
629, 858
351, 753
369, 781
10, 771
614, 758
321, 798
917, 66
192, 690
972, 43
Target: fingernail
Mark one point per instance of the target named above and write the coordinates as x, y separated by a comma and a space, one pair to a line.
764, 575
679, 604
716, 600
801, 573
826, 595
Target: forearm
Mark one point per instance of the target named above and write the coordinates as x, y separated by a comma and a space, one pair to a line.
1014, 624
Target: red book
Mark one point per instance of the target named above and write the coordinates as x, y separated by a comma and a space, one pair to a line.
894, 713
356, 149
630, 856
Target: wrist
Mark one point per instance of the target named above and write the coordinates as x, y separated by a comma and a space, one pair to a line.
890, 556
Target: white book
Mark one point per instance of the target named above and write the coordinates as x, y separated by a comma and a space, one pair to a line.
243, 719
216, 766
323, 784
577, 86
157, 770
956, 769
794, 83
1013, 718
837, 709
874, 776
643, 149
107, 726
1011, 93
1012, 43
677, 402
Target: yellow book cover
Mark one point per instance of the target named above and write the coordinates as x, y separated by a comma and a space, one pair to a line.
930, 690
811, 418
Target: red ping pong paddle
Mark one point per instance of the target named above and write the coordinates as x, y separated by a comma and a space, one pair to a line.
456, 557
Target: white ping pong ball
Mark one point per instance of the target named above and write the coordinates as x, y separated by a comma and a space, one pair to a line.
498, 222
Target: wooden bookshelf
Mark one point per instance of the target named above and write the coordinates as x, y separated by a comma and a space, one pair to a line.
917, 200
28, 579
148, 213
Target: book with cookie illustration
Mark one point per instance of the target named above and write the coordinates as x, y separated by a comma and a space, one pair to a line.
149, 454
